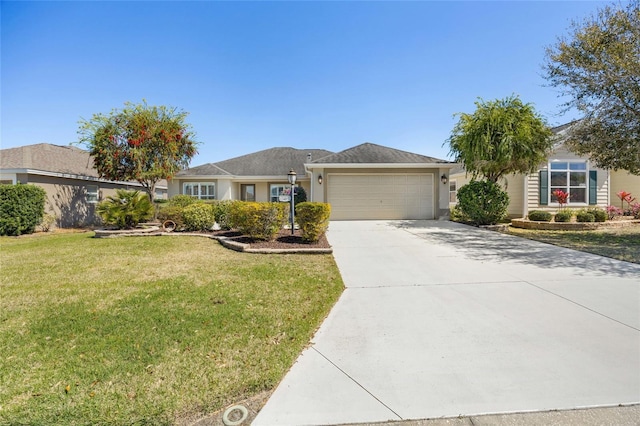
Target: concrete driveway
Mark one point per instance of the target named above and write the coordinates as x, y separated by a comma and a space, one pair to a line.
440, 320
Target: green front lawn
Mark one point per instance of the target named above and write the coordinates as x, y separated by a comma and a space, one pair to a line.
618, 243
148, 330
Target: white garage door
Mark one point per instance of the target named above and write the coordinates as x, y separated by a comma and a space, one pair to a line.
380, 196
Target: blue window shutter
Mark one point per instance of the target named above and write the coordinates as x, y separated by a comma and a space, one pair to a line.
593, 187
544, 187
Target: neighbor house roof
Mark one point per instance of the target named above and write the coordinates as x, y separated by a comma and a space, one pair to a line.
370, 153
51, 158
269, 162
65, 161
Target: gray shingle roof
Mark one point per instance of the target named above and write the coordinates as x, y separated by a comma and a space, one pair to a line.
208, 169
269, 162
50, 158
370, 153
46, 157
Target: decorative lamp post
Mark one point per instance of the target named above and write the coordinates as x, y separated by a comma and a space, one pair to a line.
291, 176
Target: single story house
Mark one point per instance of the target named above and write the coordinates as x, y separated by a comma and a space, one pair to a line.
68, 176
367, 181
587, 185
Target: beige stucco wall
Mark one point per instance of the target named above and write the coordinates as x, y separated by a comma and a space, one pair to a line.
66, 198
621, 180
226, 189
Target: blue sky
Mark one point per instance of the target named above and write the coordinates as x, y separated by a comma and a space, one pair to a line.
255, 75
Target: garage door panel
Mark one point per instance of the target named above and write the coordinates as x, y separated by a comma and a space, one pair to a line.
380, 196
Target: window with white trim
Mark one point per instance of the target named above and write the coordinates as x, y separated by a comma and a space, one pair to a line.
200, 190
92, 194
278, 189
570, 177
453, 191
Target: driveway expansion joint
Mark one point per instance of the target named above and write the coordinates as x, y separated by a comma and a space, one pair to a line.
582, 306
358, 383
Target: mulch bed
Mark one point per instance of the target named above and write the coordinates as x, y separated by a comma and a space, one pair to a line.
284, 240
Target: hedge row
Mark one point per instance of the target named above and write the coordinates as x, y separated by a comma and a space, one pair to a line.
257, 220
592, 214
21, 208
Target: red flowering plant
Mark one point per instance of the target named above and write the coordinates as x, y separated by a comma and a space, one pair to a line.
141, 143
561, 196
625, 196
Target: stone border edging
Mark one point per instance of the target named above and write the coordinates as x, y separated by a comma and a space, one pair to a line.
570, 226
224, 241
114, 233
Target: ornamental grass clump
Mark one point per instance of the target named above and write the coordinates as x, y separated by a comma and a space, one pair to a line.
313, 219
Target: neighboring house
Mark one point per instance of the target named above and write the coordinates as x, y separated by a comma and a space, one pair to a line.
587, 185
367, 181
69, 178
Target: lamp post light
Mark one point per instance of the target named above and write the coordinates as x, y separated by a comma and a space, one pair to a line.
291, 176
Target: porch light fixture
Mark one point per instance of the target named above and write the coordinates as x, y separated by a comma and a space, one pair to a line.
444, 179
320, 179
291, 176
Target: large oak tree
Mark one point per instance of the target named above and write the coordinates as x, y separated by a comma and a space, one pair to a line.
598, 67
140, 143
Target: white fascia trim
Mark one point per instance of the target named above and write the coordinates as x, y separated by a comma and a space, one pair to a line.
311, 166
241, 178
73, 176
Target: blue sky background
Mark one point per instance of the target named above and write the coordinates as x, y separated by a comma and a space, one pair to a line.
255, 75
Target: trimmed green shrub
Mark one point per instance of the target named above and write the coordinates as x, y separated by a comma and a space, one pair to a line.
539, 216
221, 211
585, 216
484, 202
126, 209
599, 214
172, 213
456, 215
199, 217
21, 208
258, 220
313, 219
563, 216
183, 200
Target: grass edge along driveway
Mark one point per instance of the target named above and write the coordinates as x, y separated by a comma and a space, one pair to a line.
617, 243
148, 330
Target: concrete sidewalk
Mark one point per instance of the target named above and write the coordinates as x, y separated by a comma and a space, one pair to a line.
443, 320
